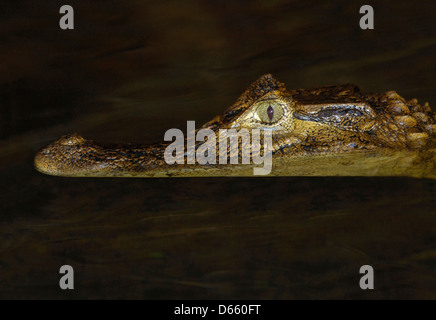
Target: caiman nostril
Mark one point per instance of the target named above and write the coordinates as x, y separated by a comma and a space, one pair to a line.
71, 140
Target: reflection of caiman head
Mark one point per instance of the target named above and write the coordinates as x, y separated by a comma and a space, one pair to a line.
327, 120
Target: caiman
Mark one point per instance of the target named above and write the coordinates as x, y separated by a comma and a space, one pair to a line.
327, 131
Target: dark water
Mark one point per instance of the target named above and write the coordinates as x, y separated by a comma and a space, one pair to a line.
129, 72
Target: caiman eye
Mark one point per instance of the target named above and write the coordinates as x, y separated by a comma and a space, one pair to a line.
269, 112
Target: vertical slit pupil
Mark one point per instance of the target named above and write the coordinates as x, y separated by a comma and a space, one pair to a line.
270, 113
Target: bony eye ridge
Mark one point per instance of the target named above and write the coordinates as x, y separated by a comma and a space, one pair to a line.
269, 112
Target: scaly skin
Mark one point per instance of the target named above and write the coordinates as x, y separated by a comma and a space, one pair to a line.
312, 132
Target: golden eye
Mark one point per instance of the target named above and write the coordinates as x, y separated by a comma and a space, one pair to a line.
269, 112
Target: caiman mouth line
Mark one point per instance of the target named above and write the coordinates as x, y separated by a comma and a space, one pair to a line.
328, 131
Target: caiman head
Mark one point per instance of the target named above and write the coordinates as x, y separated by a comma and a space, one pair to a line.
303, 122
331, 119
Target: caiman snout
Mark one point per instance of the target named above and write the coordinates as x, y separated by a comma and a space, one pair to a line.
67, 156
75, 156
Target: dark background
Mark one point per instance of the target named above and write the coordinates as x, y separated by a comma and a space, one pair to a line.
131, 70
